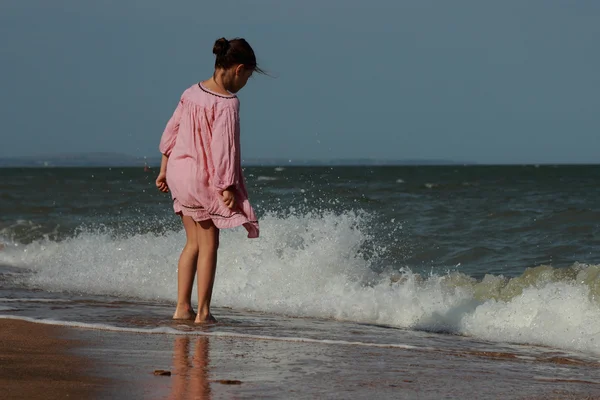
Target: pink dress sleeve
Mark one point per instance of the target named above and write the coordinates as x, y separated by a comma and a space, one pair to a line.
224, 148
169, 136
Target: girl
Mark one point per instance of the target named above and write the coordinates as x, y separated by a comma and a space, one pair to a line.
201, 168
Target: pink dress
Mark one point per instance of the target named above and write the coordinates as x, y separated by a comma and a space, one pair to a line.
202, 141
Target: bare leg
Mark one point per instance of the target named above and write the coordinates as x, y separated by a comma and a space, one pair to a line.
199, 382
207, 235
186, 271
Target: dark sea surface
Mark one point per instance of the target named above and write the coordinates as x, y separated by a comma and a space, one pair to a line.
477, 220
478, 257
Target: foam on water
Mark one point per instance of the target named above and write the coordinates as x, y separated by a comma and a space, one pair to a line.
314, 265
32, 300
266, 178
172, 331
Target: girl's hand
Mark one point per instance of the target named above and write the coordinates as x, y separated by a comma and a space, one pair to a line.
161, 182
229, 198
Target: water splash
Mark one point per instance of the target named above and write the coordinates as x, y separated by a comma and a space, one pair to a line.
315, 265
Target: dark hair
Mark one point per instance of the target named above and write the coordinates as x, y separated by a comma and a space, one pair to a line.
235, 51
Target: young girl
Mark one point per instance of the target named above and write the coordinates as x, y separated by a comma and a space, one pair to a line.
201, 167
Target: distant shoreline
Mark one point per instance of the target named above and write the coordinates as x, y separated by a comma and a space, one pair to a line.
110, 160
257, 165
101, 160
309, 165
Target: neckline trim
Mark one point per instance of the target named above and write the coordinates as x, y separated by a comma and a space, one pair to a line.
201, 86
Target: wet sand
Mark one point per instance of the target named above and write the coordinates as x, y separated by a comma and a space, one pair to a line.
38, 360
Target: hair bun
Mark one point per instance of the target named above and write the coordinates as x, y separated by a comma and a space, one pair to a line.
221, 46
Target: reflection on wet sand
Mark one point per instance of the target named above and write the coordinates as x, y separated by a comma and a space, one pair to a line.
190, 377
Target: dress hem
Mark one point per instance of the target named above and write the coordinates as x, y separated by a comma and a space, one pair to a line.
199, 213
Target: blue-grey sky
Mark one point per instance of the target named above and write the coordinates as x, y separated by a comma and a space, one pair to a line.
507, 81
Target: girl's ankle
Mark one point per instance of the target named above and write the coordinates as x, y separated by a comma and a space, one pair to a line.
184, 307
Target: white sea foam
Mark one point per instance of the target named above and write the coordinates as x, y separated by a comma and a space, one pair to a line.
266, 178
559, 314
33, 300
312, 266
172, 331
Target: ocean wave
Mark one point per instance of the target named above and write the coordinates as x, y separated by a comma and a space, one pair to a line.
315, 265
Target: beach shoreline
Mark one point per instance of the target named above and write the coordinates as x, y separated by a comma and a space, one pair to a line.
44, 361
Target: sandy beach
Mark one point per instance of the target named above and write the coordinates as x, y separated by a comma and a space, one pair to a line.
37, 362
42, 361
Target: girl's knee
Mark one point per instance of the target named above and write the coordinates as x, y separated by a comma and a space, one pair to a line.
192, 247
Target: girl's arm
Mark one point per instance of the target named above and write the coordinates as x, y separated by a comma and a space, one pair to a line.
161, 180
169, 136
224, 148
167, 142
163, 164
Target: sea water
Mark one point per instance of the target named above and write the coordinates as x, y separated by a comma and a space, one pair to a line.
452, 258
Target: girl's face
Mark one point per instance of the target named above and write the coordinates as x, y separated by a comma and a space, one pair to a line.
239, 77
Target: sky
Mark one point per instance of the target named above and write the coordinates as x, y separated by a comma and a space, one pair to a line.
479, 81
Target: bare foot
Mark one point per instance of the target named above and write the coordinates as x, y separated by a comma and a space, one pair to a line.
204, 320
184, 314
